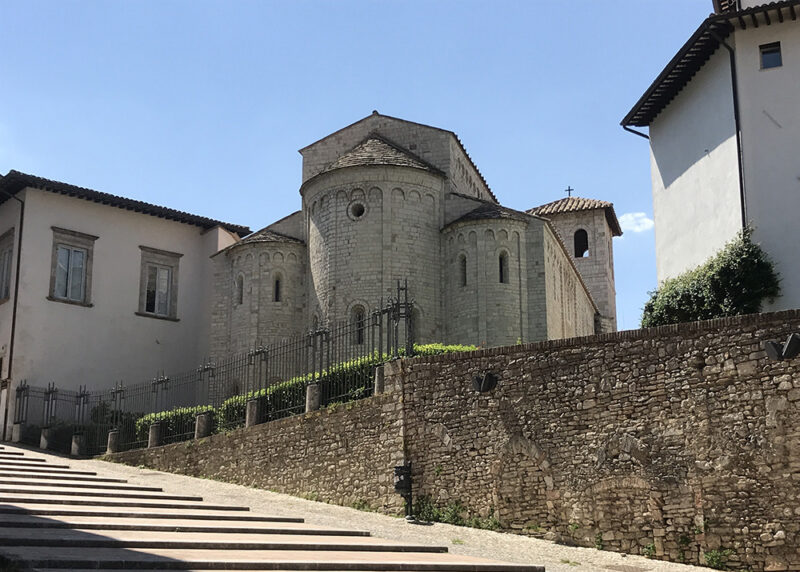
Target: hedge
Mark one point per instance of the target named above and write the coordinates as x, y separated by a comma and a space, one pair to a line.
343, 382
175, 422
734, 281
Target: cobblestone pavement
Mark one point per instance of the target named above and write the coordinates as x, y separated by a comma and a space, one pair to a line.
459, 540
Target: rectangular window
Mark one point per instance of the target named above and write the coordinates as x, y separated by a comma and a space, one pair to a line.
6, 256
771, 55
158, 292
71, 270
70, 273
158, 287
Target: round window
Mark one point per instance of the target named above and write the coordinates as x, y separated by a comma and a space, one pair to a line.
357, 210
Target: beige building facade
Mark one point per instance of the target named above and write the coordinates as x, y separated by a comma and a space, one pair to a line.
108, 289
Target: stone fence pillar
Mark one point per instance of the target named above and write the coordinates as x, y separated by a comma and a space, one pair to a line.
379, 378
155, 435
313, 395
78, 448
203, 424
253, 413
45, 438
113, 442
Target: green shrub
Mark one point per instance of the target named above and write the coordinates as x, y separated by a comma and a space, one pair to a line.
452, 513
717, 559
734, 281
175, 421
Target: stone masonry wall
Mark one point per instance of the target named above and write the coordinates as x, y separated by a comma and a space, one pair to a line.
680, 442
343, 455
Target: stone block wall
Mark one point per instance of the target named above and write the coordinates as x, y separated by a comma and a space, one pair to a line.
679, 442
343, 455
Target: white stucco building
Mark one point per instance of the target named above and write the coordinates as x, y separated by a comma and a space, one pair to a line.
106, 285
724, 131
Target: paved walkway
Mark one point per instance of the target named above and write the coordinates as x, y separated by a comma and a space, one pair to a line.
460, 541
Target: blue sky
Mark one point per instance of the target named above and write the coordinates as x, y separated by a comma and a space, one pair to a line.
202, 106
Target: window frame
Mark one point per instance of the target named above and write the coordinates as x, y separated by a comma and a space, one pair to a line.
159, 260
770, 49
7, 266
74, 241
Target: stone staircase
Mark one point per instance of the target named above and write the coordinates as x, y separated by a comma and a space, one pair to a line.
56, 518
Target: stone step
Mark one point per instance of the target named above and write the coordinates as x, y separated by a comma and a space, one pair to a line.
47, 470
30, 464
61, 476
80, 492
141, 513
29, 483
192, 559
19, 456
205, 541
24, 498
174, 525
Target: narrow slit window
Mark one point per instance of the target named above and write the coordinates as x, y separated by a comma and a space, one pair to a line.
581, 243
277, 290
240, 290
359, 325
462, 269
503, 262
771, 55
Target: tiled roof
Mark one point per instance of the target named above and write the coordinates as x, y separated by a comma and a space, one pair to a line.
574, 204
265, 235
15, 181
377, 150
698, 49
489, 210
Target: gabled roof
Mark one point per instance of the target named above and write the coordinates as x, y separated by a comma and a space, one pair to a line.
575, 204
452, 133
15, 181
377, 150
696, 52
266, 235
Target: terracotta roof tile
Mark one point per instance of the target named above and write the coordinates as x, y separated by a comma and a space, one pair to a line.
574, 204
15, 181
376, 150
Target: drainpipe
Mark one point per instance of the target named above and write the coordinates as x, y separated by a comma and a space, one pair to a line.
639, 133
735, 92
16, 281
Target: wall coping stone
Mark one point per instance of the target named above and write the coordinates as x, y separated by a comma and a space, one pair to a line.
764, 318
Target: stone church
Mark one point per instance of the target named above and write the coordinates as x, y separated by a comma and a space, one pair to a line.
386, 199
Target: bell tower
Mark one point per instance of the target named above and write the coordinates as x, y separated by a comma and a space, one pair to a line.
587, 228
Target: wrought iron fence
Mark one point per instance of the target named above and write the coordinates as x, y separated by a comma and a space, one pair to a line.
341, 359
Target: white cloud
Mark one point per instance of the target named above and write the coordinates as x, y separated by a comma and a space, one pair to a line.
636, 222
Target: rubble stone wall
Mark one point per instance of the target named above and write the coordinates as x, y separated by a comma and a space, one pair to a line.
679, 442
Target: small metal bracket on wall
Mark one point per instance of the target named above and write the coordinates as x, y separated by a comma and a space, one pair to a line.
484, 383
779, 352
402, 486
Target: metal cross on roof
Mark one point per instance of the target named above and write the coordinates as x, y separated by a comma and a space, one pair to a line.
569, 191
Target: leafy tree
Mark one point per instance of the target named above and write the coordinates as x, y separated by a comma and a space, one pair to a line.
734, 281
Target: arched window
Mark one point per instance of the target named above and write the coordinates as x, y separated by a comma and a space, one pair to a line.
462, 269
239, 290
276, 291
359, 324
581, 243
503, 262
